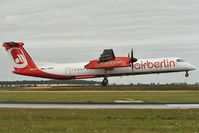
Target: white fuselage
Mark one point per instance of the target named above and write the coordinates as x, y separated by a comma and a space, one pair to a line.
142, 66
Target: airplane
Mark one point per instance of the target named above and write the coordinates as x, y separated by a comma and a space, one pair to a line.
108, 65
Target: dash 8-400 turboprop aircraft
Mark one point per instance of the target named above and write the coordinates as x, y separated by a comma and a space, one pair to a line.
106, 66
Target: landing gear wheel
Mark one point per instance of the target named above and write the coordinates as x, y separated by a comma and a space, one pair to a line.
187, 74
105, 82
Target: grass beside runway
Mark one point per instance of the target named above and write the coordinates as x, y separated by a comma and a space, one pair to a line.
107, 88
177, 96
98, 121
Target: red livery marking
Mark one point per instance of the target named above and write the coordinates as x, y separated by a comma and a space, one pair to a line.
150, 65
18, 56
109, 65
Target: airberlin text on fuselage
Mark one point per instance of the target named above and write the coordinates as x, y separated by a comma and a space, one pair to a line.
165, 63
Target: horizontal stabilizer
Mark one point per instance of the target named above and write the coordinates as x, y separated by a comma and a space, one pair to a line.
8, 45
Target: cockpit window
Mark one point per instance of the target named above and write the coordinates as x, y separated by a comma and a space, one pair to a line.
180, 60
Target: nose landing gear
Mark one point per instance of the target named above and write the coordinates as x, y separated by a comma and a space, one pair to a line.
105, 81
187, 74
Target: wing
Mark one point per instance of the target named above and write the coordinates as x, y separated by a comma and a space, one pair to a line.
108, 61
107, 55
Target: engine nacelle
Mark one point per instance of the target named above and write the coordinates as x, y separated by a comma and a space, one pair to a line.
110, 65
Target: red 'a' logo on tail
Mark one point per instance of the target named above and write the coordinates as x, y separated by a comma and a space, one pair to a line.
19, 58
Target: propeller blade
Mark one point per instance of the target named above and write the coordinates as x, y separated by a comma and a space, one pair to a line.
132, 58
132, 55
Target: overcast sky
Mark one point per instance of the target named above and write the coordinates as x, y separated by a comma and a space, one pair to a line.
78, 30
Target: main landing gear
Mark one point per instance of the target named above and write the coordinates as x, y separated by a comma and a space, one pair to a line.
105, 81
187, 74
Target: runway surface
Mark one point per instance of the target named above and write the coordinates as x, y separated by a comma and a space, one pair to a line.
56, 105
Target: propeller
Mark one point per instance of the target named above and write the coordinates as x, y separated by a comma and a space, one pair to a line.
132, 58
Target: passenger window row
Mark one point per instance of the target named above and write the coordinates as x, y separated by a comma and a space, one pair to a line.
79, 69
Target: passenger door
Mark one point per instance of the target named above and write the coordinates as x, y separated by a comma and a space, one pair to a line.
68, 71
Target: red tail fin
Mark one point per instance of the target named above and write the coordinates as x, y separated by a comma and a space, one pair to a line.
22, 62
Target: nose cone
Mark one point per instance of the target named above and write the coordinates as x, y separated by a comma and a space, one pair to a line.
191, 67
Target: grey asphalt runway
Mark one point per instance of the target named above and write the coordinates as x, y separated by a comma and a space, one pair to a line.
42, 105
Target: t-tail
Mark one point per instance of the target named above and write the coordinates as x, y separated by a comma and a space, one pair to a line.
22, 62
